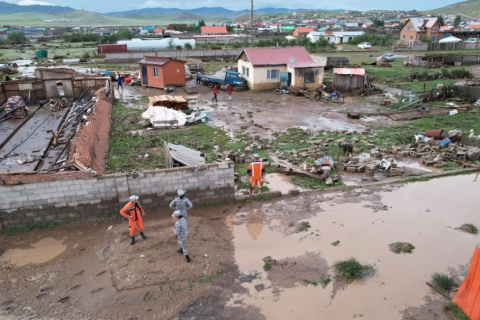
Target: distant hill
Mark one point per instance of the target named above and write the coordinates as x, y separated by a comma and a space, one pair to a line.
470, 8
11, 8
202, 13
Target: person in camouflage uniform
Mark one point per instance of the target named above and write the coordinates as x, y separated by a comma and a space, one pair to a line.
181, 232
181, 203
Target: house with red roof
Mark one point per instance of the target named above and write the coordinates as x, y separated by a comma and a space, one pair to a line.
213, 31
271, 68
302, 32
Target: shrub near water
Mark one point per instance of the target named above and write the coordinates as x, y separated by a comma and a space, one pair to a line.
455, 311
443, 282
399, 247
351, 269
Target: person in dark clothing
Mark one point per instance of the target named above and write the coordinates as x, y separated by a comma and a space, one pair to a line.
119, 81
198, 77
7, 78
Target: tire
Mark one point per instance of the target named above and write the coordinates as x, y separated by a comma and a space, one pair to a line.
210, 84
340, 99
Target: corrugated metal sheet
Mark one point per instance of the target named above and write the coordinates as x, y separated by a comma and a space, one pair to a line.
350, 71
296, 57
186, 156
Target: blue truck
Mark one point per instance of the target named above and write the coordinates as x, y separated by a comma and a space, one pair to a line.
234, 78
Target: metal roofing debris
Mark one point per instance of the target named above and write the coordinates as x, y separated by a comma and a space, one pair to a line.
350, 71
186, 156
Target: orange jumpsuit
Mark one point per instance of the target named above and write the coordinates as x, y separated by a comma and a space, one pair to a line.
255, 169
134, 210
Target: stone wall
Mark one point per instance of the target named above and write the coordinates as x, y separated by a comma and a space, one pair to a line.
102, 196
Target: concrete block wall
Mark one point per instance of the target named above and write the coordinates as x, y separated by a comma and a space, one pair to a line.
103, 196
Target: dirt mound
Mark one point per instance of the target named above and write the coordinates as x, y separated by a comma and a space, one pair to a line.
155, 261
310, 268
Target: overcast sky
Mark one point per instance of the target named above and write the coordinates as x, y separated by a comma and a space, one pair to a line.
115, 5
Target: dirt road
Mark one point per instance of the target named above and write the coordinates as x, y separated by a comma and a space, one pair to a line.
89, 271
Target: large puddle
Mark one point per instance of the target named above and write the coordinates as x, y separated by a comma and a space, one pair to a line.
280, 182
424, 214
42, 251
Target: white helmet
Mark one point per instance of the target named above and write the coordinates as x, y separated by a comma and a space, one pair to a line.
133, 198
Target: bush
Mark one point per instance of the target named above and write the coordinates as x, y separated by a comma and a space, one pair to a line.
423, 75
459, 73
424, 39
445, 72
304, 226
17, 37
351, 269
399, 247
469, 227
455, 311
443, 282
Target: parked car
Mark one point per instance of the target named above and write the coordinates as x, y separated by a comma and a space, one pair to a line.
390, 57
472, 40
364, 45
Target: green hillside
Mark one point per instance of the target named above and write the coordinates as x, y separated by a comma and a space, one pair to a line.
34, 19
470, 8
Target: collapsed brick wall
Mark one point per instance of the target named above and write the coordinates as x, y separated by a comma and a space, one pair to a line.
89, 147
91, 198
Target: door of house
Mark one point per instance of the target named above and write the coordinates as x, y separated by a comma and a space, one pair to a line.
144, 75
433, 39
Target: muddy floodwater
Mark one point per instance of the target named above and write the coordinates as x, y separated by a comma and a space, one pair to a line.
42, 251
280, 182
424, 214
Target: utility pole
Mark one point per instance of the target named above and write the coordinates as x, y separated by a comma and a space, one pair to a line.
251, 22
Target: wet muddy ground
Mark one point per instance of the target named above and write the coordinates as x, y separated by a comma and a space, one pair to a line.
263, 112
89, 271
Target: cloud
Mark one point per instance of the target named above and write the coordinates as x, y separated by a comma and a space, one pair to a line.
34, 2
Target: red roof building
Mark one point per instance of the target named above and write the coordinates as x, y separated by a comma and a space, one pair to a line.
302, 32
270, 68
208, 31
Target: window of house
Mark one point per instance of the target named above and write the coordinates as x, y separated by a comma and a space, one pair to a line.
309, 77
403, 36
273, 74
434, 29
411, 36
409, 28
155, 72
245, 71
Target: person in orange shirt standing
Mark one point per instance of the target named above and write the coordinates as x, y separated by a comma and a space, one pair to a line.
132, 211
256, 170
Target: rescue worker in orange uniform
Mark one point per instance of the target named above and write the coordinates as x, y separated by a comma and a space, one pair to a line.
132, 211
256, 170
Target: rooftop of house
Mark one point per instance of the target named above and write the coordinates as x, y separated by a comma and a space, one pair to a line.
219, 29
157, 61
421, 24
303, 30
296, 57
